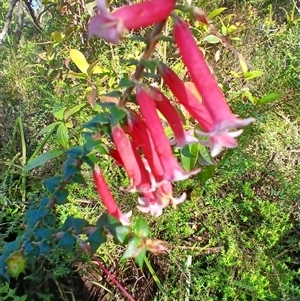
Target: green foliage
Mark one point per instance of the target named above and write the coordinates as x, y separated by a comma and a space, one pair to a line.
238, 225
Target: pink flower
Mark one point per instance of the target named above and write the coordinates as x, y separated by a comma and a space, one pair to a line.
165, 192
139, 132
186, 98
110, 26
172, 170
213, 99
107, 197
218, 137
133, 164
163, 104
152, 204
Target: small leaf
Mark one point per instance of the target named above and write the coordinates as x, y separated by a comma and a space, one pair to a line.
76, 224
211, 39
91, 97
216, 12
73, 74
133, 248
72, 111
79, 59
52, 183
94, 69
79, 179
60, 114
206, 173
141, 228
36, 215
49, 128
44, 233
150, 64
45, 247
16, 264
42, 159
76, 88
269, 98
125, 83
97, 238
243, 63
189, 156
62, 135
253, 74
204, 158
57, 37
117, 115
99, 119
61, 196
67, 241
141, 257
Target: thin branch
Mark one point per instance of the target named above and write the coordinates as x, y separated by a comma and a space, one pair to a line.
8, 20
112, 278
151, 43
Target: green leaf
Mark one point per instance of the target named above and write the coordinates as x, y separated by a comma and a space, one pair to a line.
76, 88
70, 170
73, 74
79, 60
117, 115
216, 12
36, 215
126, 83
72, 111
211, 39
42, 159
133, 248
57, 37
120, 233
107, 221
52, 183
45, 247
141, 257
60, 114
44, 233
253, 74
61, 196
99, 119
75, 223
269, 98
189, 156
204, 158
150, 64
97, 238
141, 228
79, 179
94, 69
67, 241
62, 135
206, 173
49, 128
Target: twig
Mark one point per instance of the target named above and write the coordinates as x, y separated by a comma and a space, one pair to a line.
113, 279
151, 43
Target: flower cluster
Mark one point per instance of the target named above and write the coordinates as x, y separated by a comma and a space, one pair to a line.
141, 145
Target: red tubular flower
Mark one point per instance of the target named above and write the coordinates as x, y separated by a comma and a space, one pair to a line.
172, 170
163, 104
107, 197
139, 132
110, 26
218, 137
133, 164
205, 82
186, 98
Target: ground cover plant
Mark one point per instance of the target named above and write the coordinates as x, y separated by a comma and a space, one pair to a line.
236, 235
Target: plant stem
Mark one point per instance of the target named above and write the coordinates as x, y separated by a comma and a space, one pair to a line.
113, 279
151, 43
